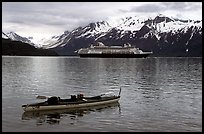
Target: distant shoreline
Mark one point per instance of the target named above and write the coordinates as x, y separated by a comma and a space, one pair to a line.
98, 57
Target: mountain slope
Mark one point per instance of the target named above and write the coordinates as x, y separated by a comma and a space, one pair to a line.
15, 37
17, 48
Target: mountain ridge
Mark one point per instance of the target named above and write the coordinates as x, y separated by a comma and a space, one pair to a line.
156, 34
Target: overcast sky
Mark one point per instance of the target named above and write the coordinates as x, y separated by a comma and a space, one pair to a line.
44, 19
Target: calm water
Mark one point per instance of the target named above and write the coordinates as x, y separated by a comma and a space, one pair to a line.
158, 94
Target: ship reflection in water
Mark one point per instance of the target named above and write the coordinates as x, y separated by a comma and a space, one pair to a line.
55, 116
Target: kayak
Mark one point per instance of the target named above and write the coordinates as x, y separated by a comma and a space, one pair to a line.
79, 101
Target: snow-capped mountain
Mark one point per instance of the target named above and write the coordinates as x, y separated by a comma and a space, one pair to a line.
16, 37
51, 42
153, 34
93, 29
165, 36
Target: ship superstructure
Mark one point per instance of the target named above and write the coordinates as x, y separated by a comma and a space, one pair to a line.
101, 50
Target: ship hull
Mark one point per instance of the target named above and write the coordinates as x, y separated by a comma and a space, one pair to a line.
115, 55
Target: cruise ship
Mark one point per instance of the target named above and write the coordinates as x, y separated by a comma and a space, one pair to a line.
102, 51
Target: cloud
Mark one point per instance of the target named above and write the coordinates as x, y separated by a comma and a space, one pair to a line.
181, 10
182, 6
167, 6
148, 8
54, 14
56, 17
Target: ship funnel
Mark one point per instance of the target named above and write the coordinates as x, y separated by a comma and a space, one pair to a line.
100, 44
127, 45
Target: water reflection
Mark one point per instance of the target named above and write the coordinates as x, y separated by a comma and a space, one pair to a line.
55, 116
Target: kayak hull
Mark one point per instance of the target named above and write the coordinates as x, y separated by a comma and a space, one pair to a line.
84, 103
